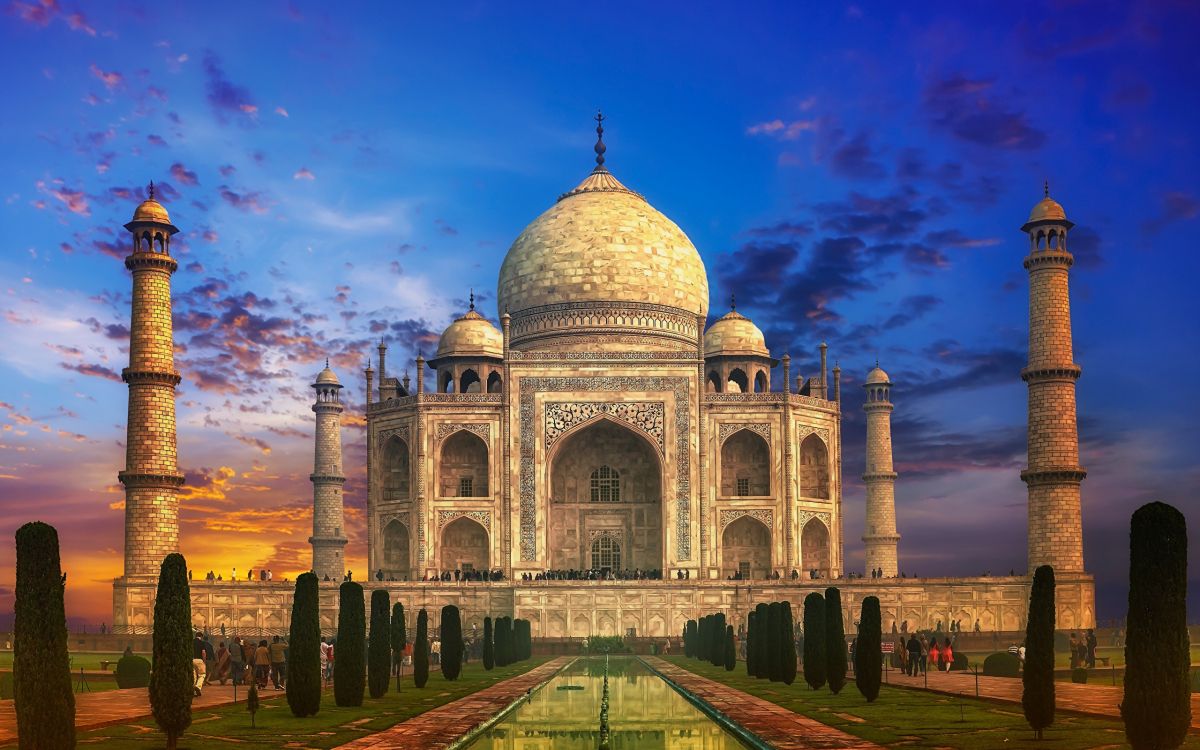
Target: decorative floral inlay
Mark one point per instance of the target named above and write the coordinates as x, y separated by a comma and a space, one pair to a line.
807, 515
617, 535
484, 517
728, 428
766, 515
482, 429
646, 417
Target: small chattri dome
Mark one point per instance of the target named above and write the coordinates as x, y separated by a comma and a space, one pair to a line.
151, 210
472, 335
326, 376
1047, 209
877, 377
734, 335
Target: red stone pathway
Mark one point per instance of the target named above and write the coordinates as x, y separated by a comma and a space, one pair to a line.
1093, 699
441, 726
109, 707
775, 725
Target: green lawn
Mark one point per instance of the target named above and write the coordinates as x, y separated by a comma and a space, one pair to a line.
1115, 654
914, 718
89, 660
332, 726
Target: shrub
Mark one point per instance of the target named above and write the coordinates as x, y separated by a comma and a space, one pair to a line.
1037, 694
730, 649
960, 663
489, 649
605, 644
1002, 664
716, 655
815, 661
1079, 675
44, 702
868, 654
252, 701
1157, 703
835, 641
379, 648
304, 649
524, 639
452, 642
421, 651
171, 678
762, 658
774, 634
132, 672
399, 639
789, 644
503, 624
348, 677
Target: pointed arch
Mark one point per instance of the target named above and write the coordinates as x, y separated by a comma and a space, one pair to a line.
745, 465
712, 383
463, 466
465, 545
469, 382
494, 383
445, 381
814, 468
397, 469
746, 549
814, 548
738, 382
396, 561
760, 382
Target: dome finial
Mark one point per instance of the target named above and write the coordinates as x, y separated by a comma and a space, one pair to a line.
472, 298
732, 302
1046, 188
600, 149
327, 363
150, 190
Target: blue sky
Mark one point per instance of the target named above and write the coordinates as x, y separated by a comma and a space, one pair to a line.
855, 173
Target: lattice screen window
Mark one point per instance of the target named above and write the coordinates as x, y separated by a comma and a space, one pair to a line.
466, 486
606, 485
606, 553
743, 486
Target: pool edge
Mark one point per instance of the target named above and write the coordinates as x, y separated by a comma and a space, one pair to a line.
741, 733
469, 737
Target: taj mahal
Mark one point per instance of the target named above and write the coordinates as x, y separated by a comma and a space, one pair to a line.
603, 425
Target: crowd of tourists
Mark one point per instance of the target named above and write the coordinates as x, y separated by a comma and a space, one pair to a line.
594, 574
240, 661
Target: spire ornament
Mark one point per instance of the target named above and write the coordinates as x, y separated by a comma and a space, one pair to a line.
1046, 188
732, 302
472, 298
150, 190
600, 149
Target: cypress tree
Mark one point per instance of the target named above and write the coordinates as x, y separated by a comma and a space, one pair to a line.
1157, 705
514, 655
1037, 694
304, 649
717, 656
835, 641
399, 638
687, 649
44, 703
452, 642
730, 649
525, 639
348, 677
489, 649
421, 651
774, 639
502, 640
379, 649
789, 644
171, 678
750, 636
814, 640
701, 631
868, 654
761, 655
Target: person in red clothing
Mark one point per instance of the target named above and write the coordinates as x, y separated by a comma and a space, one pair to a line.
935, 654
948, 655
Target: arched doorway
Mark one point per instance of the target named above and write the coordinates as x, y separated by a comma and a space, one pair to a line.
814, 548
606, 553
395, 550
814, 468
745, 465
746, 549
396, 469
463, 466
605, 478
465, 545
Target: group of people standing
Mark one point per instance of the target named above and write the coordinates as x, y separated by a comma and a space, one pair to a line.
920, 654
1083, 650
241, 661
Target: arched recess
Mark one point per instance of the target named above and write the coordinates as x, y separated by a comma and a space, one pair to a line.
746, 549
397, 469
712, 383
814, 548
760, 382
738, 382
814, 468
469, 382
463, 466
445, 381
465, 545
494, 384
395, 550
605, 459
745, 465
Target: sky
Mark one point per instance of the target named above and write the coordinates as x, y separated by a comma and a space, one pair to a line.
854, 173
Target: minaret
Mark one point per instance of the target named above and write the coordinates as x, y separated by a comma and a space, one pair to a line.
1054, 473
880, 537
151, 476
328, 539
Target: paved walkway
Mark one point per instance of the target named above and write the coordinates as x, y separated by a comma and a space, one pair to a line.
775, 725
109, 707
441, 726
1096, 698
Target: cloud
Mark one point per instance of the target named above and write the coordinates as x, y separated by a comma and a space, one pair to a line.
156, 140
970, 110
225, 97
74, 200
910, 309
183, 175
1176, 206
856, 158
110, 78
782, 131
304, 173
42, 12
96, 371
248, 201
281, 112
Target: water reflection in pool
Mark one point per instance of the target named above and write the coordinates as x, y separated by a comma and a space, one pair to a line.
643, 712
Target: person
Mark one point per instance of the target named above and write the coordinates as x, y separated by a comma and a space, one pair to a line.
435, 652
1021, 655
237, 661
1073, 647
853, 649
947, 655
934, 654
278, 651
914, 655
332, 654
210, 658
324, 657
1091, 642
233, 575
223, 661
262, 664
199, 670
925, 655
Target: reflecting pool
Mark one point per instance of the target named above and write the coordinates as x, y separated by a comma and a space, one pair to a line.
643, 712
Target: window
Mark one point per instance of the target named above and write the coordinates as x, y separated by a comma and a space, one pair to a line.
743, 486
606, 486
606, 553
744, 570
465, 485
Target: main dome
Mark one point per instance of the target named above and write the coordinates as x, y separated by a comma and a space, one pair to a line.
602, 259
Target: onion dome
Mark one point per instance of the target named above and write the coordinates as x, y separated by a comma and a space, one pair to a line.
326, 376
603, 261
1047, 210
472, 335
734, 335
877, 376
